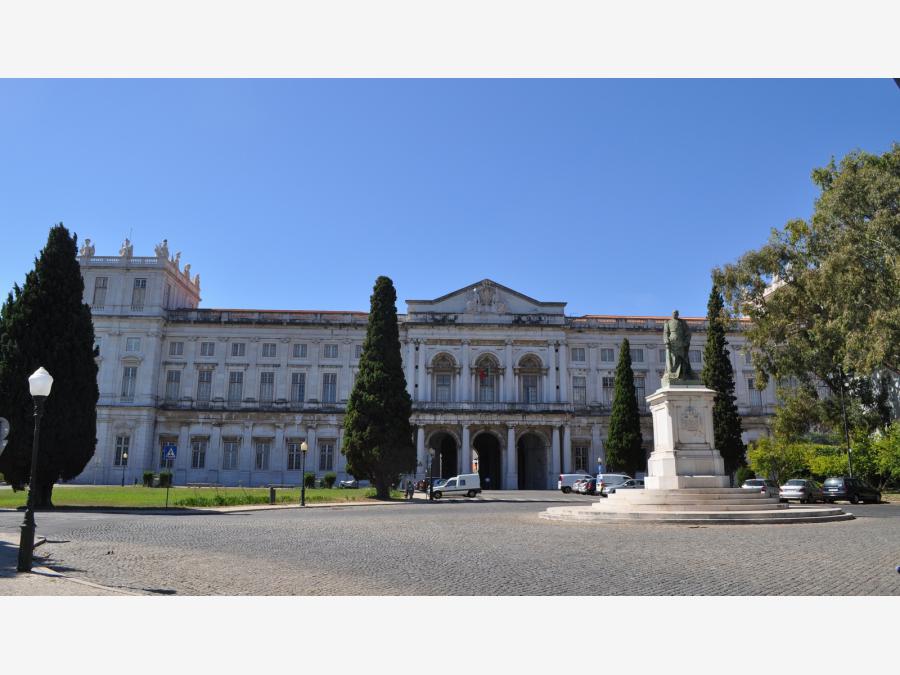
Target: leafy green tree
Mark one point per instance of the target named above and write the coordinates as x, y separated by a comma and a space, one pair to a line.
624, 447
823, 295
46, 323
887, 454
718, 375
378, 438
778, 460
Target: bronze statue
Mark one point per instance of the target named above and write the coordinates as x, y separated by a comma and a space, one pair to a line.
677, 337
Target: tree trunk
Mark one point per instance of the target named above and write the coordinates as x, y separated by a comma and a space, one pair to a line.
42, 496
382, 488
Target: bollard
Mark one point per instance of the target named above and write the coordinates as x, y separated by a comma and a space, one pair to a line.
271, 495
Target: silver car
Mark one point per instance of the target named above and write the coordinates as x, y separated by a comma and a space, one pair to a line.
611, 480
804, 490
633, 484
762, 485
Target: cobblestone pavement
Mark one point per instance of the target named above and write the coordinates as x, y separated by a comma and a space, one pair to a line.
465, 548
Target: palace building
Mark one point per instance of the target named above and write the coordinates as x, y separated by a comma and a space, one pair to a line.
501, 382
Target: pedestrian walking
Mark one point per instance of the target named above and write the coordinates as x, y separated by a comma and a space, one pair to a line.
409, 489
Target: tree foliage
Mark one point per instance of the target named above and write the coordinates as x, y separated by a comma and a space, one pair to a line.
46, 323
624, 446
718, 375
378, 439
823, 294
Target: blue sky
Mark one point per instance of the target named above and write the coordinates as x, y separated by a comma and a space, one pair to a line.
616, 196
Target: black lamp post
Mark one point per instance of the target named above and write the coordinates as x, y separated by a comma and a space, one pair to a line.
303, 448
431, 474
124, 464
39, 384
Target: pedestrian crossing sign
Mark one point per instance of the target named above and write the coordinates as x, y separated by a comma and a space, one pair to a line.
169, 451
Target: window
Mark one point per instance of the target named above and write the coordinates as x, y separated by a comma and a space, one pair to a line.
235, 386
579, 389
204, 385
331, 351
326, 455
640, 389
608, 355
748, 358
300, 350
133, 344
207, 349
637, 355
173, 385
755, 394
357, 353
608, 386
529, 388
486, 378
261, 456
442, 387
581, 458
122, 443
164, 462
100, 286
238, 348
176, 349
329, 387
137, 295
230, 450
269, 350
695, 356
298, 387
578, 353
129, 376
266, 387
662, 355
294, 459
198, 452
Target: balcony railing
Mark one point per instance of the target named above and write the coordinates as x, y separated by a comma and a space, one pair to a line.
266, 317
479, 406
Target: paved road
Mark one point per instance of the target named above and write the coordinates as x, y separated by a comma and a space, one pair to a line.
465, 548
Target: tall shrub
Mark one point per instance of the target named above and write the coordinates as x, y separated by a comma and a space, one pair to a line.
624, 447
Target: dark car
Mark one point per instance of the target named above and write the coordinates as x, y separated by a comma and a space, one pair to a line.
853, 490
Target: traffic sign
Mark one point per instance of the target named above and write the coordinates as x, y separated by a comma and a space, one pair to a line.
169, 451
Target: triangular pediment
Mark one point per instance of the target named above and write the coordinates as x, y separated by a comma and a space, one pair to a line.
485, 298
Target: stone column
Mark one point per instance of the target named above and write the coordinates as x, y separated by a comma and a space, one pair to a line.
597, 451
246, 456
510, 375
512, 458
464, 375
312, 380
567, 449
550, 384
554, 458
421, 452
563, 372
466, 450
183, 457
214, 454
593, 381
410, 367
421, 371
345, 376
278, 459
312, 455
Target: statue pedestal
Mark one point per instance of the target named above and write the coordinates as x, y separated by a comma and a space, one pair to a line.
684, 453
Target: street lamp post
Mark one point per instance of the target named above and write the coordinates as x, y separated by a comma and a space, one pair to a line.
303, 449
431, 474
124, 464
39, 384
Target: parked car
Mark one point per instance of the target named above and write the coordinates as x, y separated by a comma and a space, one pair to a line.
588, 486
567, 480
632, 484
605, 481
468, 484
354, 483
853, 490
805, 490
769, 487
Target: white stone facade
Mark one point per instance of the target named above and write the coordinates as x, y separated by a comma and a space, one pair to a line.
500, 382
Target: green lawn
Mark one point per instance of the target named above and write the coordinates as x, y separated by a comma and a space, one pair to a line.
182, 497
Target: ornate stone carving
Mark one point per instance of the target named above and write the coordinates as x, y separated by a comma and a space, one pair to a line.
127, 249
691, 420
87, 249
162, 250
485, 298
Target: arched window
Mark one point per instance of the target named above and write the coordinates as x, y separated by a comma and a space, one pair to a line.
487, 377
530, 372
443, 368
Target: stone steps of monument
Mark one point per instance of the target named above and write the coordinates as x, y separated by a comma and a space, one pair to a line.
675, 497
701, 491
779, 516
687, 506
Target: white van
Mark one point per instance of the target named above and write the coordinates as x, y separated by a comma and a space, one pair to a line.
468, 484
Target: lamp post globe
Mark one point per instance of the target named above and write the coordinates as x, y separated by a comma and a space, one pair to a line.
39, 384
304, 448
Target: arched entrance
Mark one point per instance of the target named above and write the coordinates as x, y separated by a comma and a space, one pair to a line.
445, 455
532, 458
486, 448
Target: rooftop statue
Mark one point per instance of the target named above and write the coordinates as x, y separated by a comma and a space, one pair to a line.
127, 249
677, 338
87, 249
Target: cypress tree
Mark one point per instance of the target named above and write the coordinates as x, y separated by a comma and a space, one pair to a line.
624, 451
718, 375
377, 434
46, 323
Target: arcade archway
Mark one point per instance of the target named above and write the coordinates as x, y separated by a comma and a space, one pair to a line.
532, 462
446, 455
486, 453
